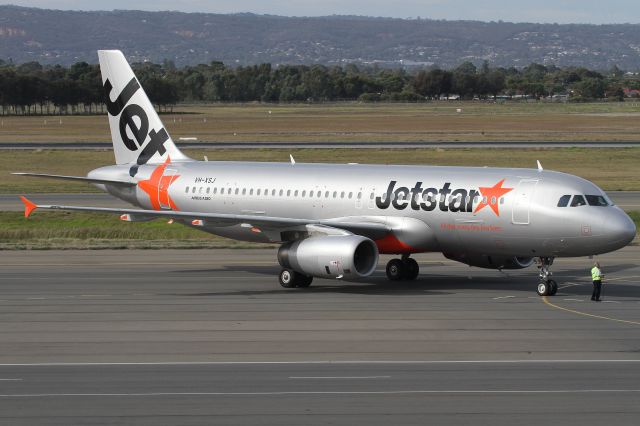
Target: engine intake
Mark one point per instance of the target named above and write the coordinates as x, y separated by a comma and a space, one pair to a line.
332, 256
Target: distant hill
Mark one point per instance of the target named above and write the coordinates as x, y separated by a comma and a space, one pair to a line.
65, 37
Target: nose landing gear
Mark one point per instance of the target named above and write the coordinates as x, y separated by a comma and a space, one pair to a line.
546, 286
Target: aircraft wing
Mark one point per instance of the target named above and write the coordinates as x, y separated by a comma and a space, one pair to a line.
373, 230
76, 178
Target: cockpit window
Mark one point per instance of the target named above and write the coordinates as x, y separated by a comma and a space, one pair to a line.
578, 200
596, 200
564, 201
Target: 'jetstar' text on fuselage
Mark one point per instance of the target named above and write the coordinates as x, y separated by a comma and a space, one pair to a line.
419, 198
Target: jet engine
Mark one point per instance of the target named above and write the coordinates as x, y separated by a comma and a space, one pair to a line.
491, 262
331, 256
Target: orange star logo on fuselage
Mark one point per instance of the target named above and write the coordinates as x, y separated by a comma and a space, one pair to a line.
157, 186
492, 195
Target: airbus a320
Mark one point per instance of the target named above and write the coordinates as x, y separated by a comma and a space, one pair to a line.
333, 220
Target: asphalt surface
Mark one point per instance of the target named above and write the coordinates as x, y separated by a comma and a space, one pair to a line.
340, 144
208, 337
628, 200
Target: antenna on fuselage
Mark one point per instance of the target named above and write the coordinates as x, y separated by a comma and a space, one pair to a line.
539, 166
293, 161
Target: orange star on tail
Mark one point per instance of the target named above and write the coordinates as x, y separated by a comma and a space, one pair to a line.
492, 195
157, 186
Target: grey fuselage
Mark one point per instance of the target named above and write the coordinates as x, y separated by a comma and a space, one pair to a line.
430, 208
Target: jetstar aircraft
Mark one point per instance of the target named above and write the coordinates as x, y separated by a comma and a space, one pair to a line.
333, 220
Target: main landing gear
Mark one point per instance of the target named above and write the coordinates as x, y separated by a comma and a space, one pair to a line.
546, 286
292, 279
405, 268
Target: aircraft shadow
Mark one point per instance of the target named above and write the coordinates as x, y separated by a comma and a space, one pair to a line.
429, 283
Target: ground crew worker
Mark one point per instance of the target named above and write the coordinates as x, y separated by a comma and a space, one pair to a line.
596, 277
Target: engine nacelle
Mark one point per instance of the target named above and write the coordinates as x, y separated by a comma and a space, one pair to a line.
331, 256
491, 262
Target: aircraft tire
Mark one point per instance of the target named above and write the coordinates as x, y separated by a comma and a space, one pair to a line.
412, 269
396, 270
543, 288
554, 287
288, 278
304, 281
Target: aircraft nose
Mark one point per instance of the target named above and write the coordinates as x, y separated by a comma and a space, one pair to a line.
619, 229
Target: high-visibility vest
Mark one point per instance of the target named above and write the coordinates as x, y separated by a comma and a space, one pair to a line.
595, 274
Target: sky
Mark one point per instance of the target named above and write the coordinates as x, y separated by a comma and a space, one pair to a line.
546, 11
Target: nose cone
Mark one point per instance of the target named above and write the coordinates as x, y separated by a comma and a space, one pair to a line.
619, 229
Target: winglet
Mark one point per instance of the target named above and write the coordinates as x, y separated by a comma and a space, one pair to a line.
29, 207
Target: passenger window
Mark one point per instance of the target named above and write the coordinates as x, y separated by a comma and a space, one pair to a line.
310, 194
359, 195
578, 200
350, 195
237, 190
304, 193
244, 191
251, 191
208, 189
295, 194
564, 201
215, 190
326, 194
186, 190
193, 190
335, 194
259, 192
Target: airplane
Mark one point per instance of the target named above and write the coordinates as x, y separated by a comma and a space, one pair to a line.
334, 220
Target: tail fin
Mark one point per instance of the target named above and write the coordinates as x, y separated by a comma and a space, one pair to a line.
136, 130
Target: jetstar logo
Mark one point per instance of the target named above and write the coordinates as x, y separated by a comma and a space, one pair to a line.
134, 119
445, 198
157, 186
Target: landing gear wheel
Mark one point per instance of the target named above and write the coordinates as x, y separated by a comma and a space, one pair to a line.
396, 270
304, 281
543, 288
546, 286
287, 278
411, 269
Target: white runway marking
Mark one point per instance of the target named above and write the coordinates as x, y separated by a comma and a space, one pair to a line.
10, 380
574, 300
277, 393
339, 377
321, 362
503, 297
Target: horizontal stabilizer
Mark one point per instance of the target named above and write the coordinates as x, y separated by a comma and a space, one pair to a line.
77, 179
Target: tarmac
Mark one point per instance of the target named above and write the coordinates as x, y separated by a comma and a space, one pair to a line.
188, 337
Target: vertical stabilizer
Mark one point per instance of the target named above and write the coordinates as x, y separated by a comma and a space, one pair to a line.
137, 133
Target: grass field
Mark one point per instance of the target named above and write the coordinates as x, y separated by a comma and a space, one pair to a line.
611, 168
354, 122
